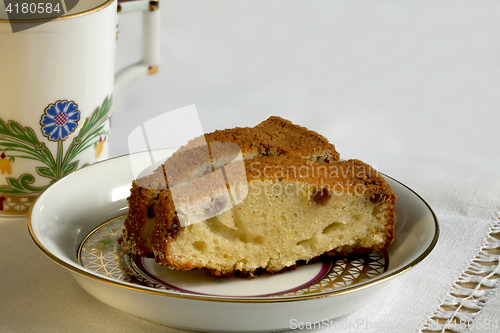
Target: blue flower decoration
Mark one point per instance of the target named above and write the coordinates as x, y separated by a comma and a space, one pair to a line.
60, 120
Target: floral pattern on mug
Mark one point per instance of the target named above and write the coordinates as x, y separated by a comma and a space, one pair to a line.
59, 120
99, 147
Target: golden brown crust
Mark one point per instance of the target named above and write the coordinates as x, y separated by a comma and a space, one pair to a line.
277, 136
273, 137
140, 200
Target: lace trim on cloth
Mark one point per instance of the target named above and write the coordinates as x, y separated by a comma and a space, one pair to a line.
470, 292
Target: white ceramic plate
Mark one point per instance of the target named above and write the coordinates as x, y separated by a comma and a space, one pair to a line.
77, 220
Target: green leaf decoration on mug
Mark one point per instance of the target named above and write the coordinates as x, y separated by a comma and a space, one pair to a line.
58, 122
21, 185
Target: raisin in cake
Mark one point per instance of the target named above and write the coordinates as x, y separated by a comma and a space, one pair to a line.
298, 201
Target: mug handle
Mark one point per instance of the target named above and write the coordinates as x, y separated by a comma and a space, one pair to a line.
148, 65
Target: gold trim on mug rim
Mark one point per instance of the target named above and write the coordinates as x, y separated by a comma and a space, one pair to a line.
63, 17
152, 70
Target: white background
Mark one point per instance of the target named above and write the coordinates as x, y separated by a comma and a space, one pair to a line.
375, 77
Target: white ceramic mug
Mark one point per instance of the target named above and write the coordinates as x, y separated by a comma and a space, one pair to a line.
56, 85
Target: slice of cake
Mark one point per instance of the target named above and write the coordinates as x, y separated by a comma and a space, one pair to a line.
280, 197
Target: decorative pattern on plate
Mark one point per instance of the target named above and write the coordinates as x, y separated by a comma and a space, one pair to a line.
57, 123
347, 271
101, 253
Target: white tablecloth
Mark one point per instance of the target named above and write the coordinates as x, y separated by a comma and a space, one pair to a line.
410, 87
